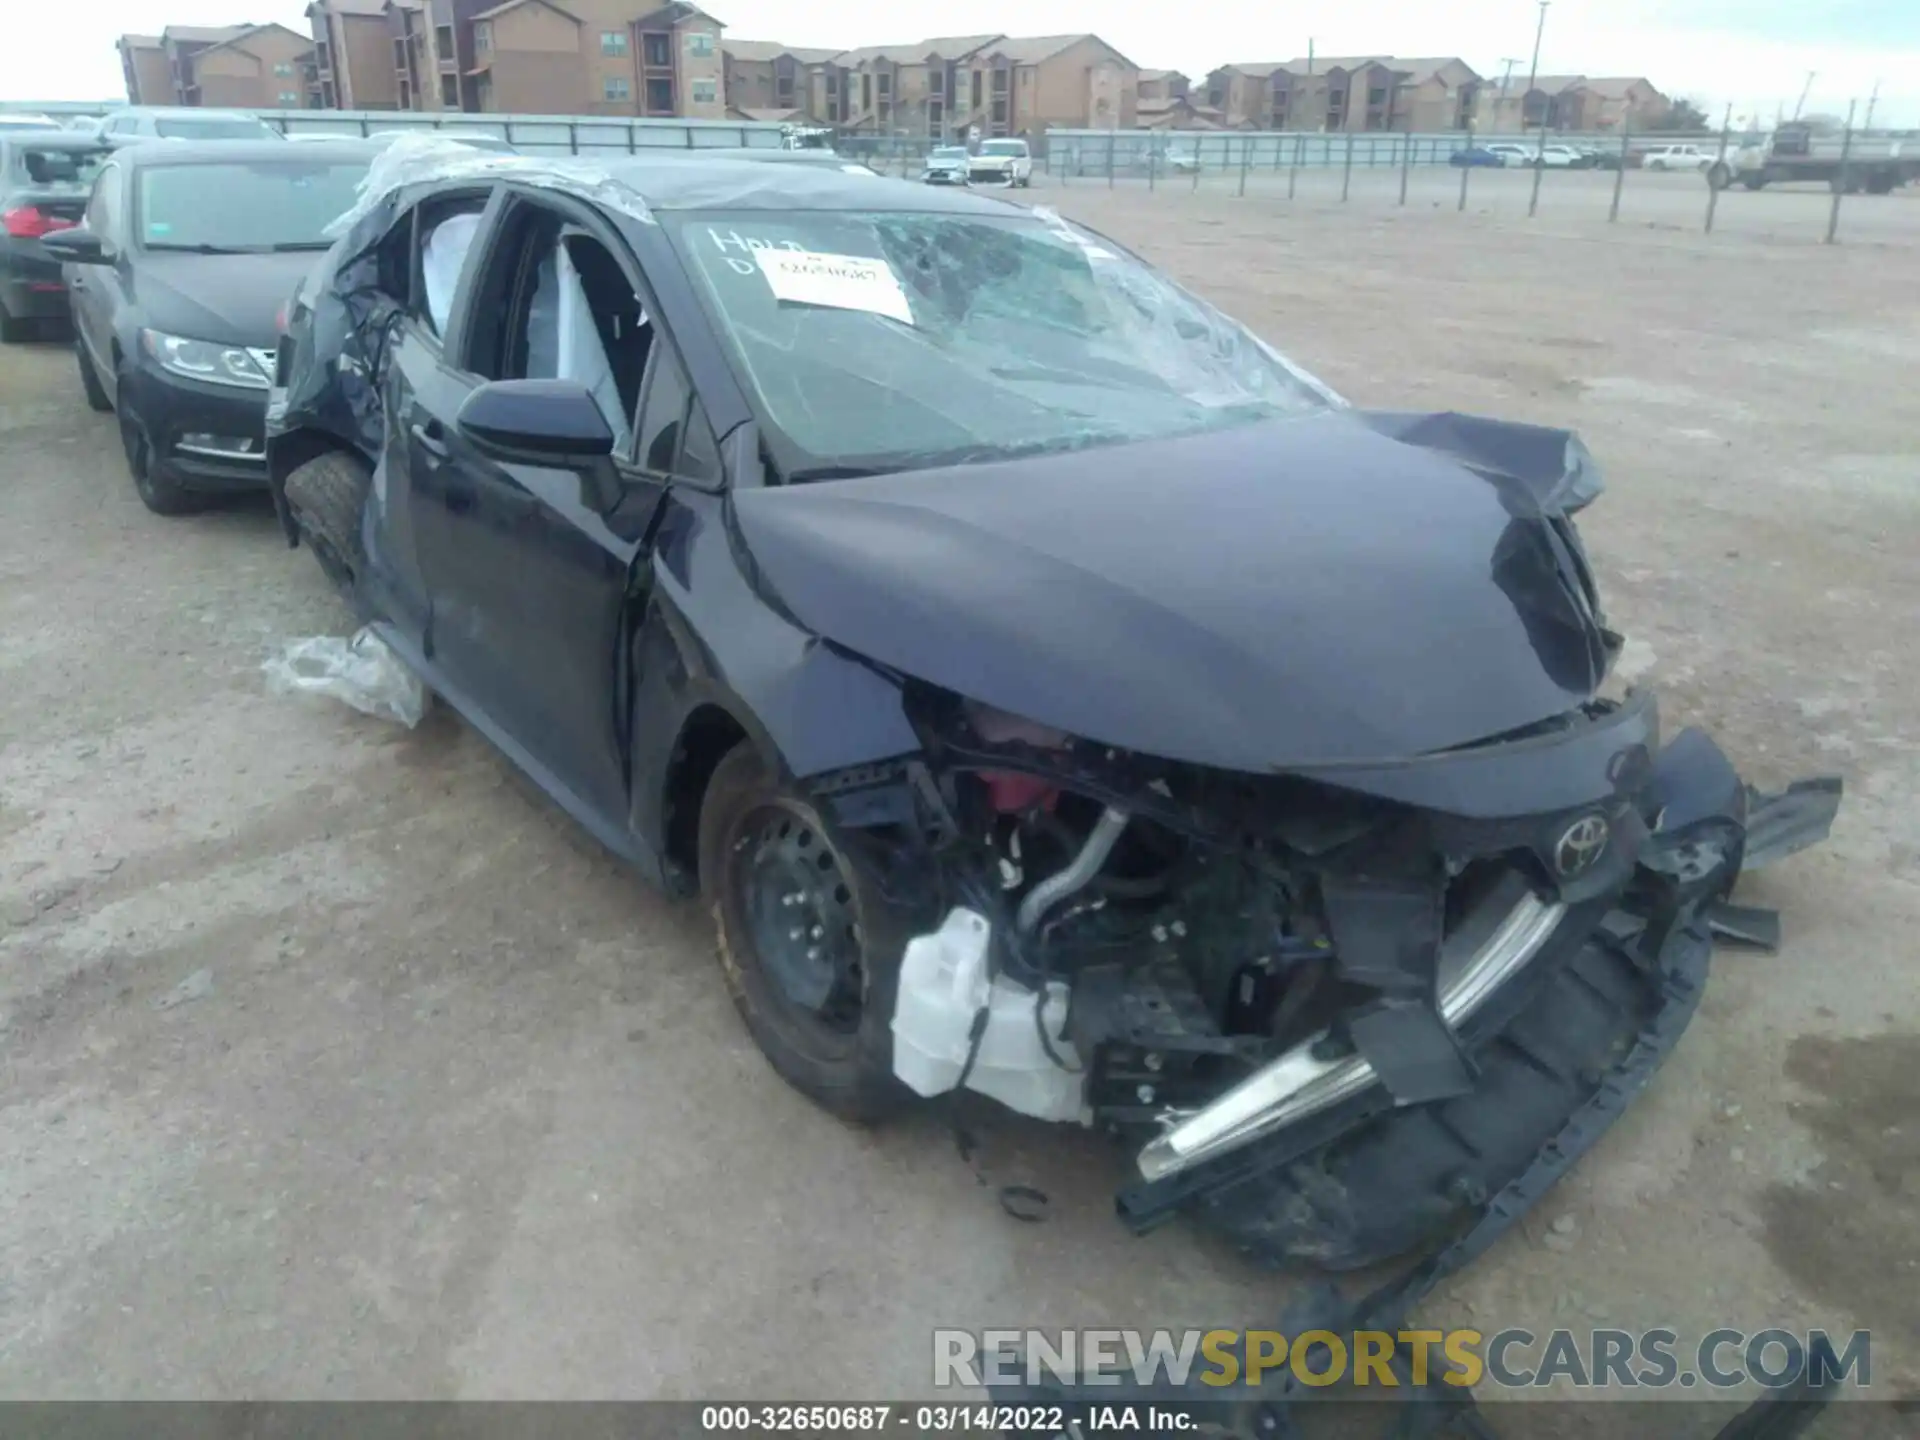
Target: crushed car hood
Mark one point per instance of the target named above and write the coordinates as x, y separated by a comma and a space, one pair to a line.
1272, 596
229, 299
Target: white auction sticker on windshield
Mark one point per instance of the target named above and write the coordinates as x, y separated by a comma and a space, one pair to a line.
845, 282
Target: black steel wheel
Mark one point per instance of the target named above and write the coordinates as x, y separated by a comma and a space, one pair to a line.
810, 949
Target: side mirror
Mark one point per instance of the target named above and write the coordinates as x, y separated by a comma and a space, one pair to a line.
78, 246
536, 422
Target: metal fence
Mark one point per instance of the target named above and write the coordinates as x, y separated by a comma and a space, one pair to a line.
538, 134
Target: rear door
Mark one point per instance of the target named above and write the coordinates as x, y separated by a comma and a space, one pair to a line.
528, 567
417, 386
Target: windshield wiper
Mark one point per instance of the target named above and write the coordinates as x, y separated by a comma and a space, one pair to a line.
282, 247
834, 472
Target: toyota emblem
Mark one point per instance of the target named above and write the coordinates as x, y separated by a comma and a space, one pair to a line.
1581, 846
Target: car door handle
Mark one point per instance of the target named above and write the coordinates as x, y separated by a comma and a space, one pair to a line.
76, 284
428, 438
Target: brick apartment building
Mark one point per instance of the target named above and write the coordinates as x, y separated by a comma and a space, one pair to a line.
939, 88
252, 67
1572, 102
584, 57
1355, 93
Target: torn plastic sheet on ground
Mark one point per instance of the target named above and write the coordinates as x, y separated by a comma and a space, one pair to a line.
412, 159
361, 671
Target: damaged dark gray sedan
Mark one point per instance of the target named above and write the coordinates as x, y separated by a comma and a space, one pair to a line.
1052, 691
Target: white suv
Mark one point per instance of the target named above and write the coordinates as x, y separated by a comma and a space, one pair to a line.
1006, 161
1677, 157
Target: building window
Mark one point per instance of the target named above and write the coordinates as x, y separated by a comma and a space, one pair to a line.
615, 87
658, 50
1377, 95
706, 92
406, 96
936, 82
936, 118
283, 69
883, 84
482, 36
660, 97
326, 96
443, 41
320, 56
866, 92
700, 42
399, 54
450, 91
833, 82
613, 42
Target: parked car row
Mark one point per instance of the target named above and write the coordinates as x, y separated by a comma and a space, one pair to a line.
808, 537
996, 162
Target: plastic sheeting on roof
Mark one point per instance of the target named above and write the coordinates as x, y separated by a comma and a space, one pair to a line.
416, 158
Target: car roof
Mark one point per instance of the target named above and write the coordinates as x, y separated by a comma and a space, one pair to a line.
52, 140
166, 111
673, 184
209, 152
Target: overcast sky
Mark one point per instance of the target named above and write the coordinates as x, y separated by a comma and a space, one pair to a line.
1754, 54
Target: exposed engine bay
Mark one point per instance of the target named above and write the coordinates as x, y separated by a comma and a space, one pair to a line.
1208, 964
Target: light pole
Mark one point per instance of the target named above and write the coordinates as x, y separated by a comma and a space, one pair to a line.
1540, 140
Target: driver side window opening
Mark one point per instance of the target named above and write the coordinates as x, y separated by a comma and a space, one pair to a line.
555, 305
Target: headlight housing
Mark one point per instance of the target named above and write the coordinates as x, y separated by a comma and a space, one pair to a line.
205, 360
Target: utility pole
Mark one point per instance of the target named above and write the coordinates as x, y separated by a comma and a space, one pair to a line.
1540, 143
1801, 103
1872, 100
1533, 72
1505, 75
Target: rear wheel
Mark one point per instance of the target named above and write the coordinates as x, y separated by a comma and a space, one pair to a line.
13, 329
326, 496
810, 949
89, 377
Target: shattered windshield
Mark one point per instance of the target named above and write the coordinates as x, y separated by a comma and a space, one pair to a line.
949, 152
901, 341
1004, 147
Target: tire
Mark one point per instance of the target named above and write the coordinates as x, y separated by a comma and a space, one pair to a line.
158, 490
1880, 185
327, 497
1719, 177
13, 329
90, 377
839, 1052
1753, 182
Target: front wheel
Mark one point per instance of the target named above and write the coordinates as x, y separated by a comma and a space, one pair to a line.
89, 377
810, 948
158, 490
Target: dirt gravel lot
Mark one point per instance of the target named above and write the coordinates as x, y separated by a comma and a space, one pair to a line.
338, 1064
